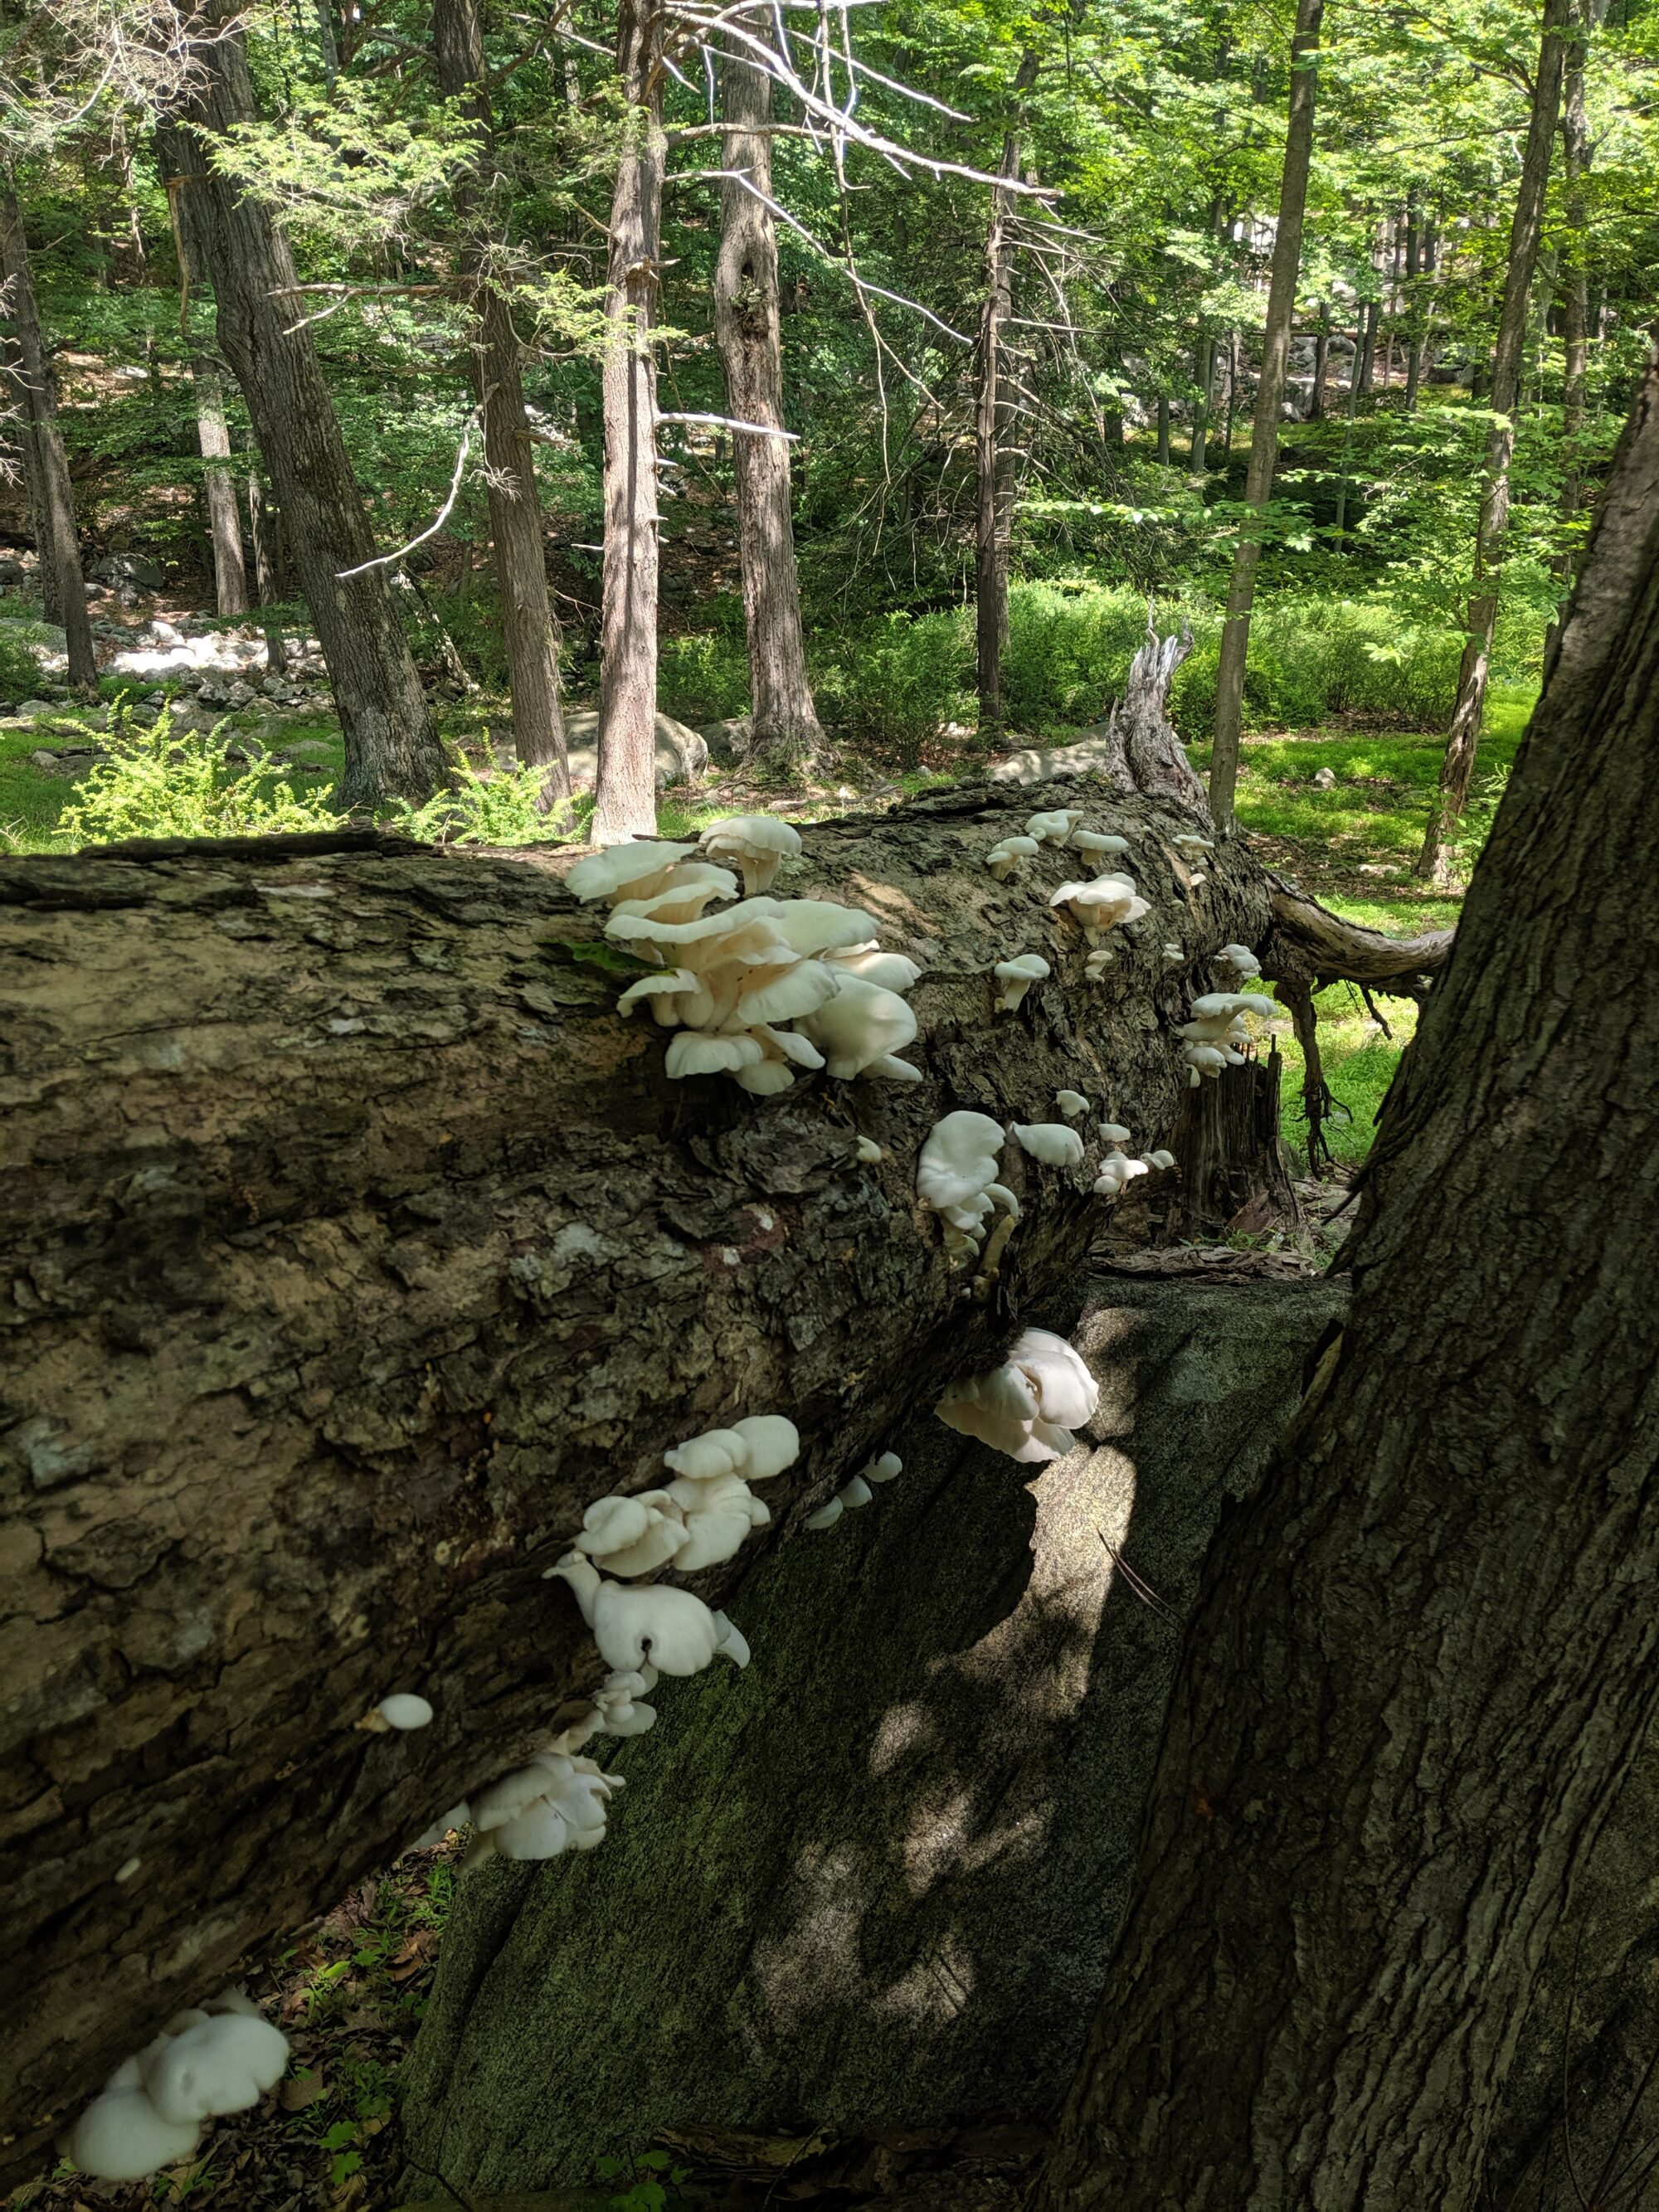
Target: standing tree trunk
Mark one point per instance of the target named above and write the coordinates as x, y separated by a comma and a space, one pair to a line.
1269, 394
391, 745
1575, 291
1368, 346
1414, 318
1464, 738
1321, 363
993, 462
515, 515
224, 521
1163, 429
625, 801
747, 331
261, 530
1201, 412
1426, 1658
29, 373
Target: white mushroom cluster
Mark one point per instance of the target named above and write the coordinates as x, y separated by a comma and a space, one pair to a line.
1007, 853
1217, 1029
957, 1175
1107, 902
856, 1492
217, 2058
1060, 827
1241, 961
760, 988
553, 1804
700, 1517
1028, 1406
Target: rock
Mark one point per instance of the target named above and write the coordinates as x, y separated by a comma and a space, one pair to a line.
37, 707
12, 571
682, 755
69, 762
873, 1881
1035, 762
127, 569
1324, 779
728, 742
240, 693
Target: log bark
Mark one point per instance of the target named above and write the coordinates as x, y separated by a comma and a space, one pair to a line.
528, 632
1526, 230
1422, 1668
28, 371
392, 746
224, 521
355, 1245
1269, 395
625, 795
747, 331
911, 1820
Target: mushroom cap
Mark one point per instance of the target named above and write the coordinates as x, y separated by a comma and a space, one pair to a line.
691, 1053
855, 1492
959, 1158
1066, 1391
827, 1516
719, 1516
870, 1152
772, 1443
734, 1644
861, 1024
1104, 903
715, 1453
221, 2065
892, 970
1014, 848
1095, 841
669, 1628
812, 925
1113, 1178
403, 1710
629, 870
672, 983
684, 896
1029, 966
540, 1832
1056, 826
753, 834
633, 1535
121, 2136
1160, 1159
1051, 1142
1114, 1133
1071, 1103
884, 1469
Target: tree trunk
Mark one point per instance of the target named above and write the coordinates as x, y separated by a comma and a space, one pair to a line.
528, 633
261, 532
1414, 317
917, 1809
783, 718
993, 412
1575, 291
1368, 347
392, 747
29, 373
1423, 1664
625, 799
1269, 394
224, 521
1202, 412
1434, 861
358, 1244
1321, 363
1163, 429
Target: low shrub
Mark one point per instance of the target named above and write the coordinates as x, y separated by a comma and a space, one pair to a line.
891, 686
703, 678
160, 783
20, 671
499, 809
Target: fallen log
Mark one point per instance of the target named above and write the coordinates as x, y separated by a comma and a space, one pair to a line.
355, 1244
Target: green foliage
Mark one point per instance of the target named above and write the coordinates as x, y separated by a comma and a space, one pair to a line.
499, 809
1313, 659
893, 685
20, 671
703, 677
162, 783
652, 2178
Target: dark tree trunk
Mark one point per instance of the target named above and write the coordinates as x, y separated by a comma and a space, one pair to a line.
1575, 290
1424, 1662
625, 799
1201, 412
528, 633
1163, 429
994, 464
30, 372
1414, 314
224, 521
392, 747
361, 1245
1321, 364
1434, 861
1368, 347
785, 721
261, 530
1269, 394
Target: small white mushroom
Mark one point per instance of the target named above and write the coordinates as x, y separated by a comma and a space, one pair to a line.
884, 1469
870, 1152
221, 2065
1161, 1159
1114, 1133
1105, 903
861, 1029
632, 1536
716, 1452
1174, 951
1116, 1174
1057, 826
1003, 859
1240, 960
621, 871
1071, 1103
1190, 842
1017, 976
1097, 845
756, 842
403, 1710
771, 1443
1198, 879
1051, 1142
855, 1492
668, 1629
1096, 963
827, 1516
1028, 1406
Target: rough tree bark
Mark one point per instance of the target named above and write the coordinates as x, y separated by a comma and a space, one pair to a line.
1269, 395
356, 1245
392, 746
261, 530
1526, 228
224, 521
994, 462
29, 373
515, 516
784, 720
1424, 1662
625, 793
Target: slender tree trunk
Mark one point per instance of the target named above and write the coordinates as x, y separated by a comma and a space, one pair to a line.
1232, 403
1349, 409
260, 529
515, 516
30, 372
625, 802
994, 465
1463, 740
328, 45
1368, 347
747, 330
1269, 392
391, 745
1427, 1656
224, 521
1414, 300
1575, 291
1202, 412
1321, 363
